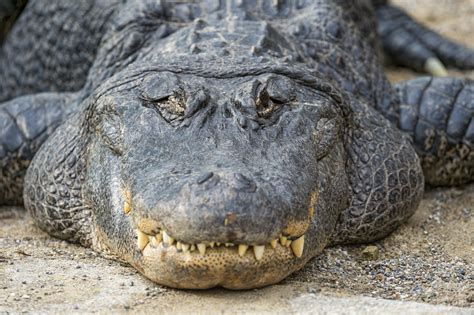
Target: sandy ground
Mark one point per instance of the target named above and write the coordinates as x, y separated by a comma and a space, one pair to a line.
426, 266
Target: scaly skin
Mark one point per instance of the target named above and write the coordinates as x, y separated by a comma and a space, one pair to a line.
266, 126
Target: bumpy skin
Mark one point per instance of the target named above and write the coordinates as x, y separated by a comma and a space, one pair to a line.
223, 121
438, 115
25, 123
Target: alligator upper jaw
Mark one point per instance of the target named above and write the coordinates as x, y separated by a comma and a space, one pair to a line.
209, 264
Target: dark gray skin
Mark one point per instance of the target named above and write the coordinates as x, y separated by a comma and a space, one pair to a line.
224, 123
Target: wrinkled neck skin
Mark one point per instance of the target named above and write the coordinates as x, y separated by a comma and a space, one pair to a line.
225, 168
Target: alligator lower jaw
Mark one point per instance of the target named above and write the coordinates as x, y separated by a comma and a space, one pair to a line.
201, 266
164, 240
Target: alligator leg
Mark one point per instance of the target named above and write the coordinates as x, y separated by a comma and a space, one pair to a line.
51, 46
385, 177
25, 123
438, 114
53, 184
410, 44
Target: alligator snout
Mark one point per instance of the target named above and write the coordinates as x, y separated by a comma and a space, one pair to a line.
218, 206
237, 181
213, 209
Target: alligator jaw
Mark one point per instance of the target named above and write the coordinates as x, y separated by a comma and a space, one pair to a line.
174, 263
163, 239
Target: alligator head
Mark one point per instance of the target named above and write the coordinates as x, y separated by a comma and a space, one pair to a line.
201, 182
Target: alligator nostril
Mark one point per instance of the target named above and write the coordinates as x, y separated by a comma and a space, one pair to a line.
242, 178
204, 177
244, 183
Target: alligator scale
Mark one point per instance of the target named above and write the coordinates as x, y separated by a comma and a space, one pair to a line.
225, 143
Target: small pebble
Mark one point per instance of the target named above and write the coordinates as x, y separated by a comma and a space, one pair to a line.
371, 252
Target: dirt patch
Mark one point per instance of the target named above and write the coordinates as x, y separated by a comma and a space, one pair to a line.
430, 259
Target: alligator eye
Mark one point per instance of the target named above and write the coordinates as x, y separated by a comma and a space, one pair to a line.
263, 100
173, 107
265, 104
165, 94
178, 105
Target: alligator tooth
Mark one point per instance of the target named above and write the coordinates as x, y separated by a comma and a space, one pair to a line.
258, 251
242, 249
218, 244
185, 247
273, 243
297, 246
288, 243
167, 239
126, 204
178, 245
126, 207
202, 248
159, 238
192, 248
142, 239
211, 244
283, 240
153, 241
229, 244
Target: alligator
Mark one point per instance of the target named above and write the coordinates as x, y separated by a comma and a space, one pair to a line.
226, 142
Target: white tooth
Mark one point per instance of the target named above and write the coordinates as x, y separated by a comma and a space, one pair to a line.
283, 240
258, 251
229, 244
288, 243
167, 239
274, 243
126, 207
202, 248
178, 245
218, 244
159, 238
153, 241
242, 249
297, 246
211, 244
185, 247
192, 248
142, 239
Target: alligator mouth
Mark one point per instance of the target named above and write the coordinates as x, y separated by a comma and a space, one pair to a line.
193, 264
165, 241
204, 265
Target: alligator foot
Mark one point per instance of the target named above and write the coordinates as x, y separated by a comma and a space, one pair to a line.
25, 123
53, 185
410, 44
438, 114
